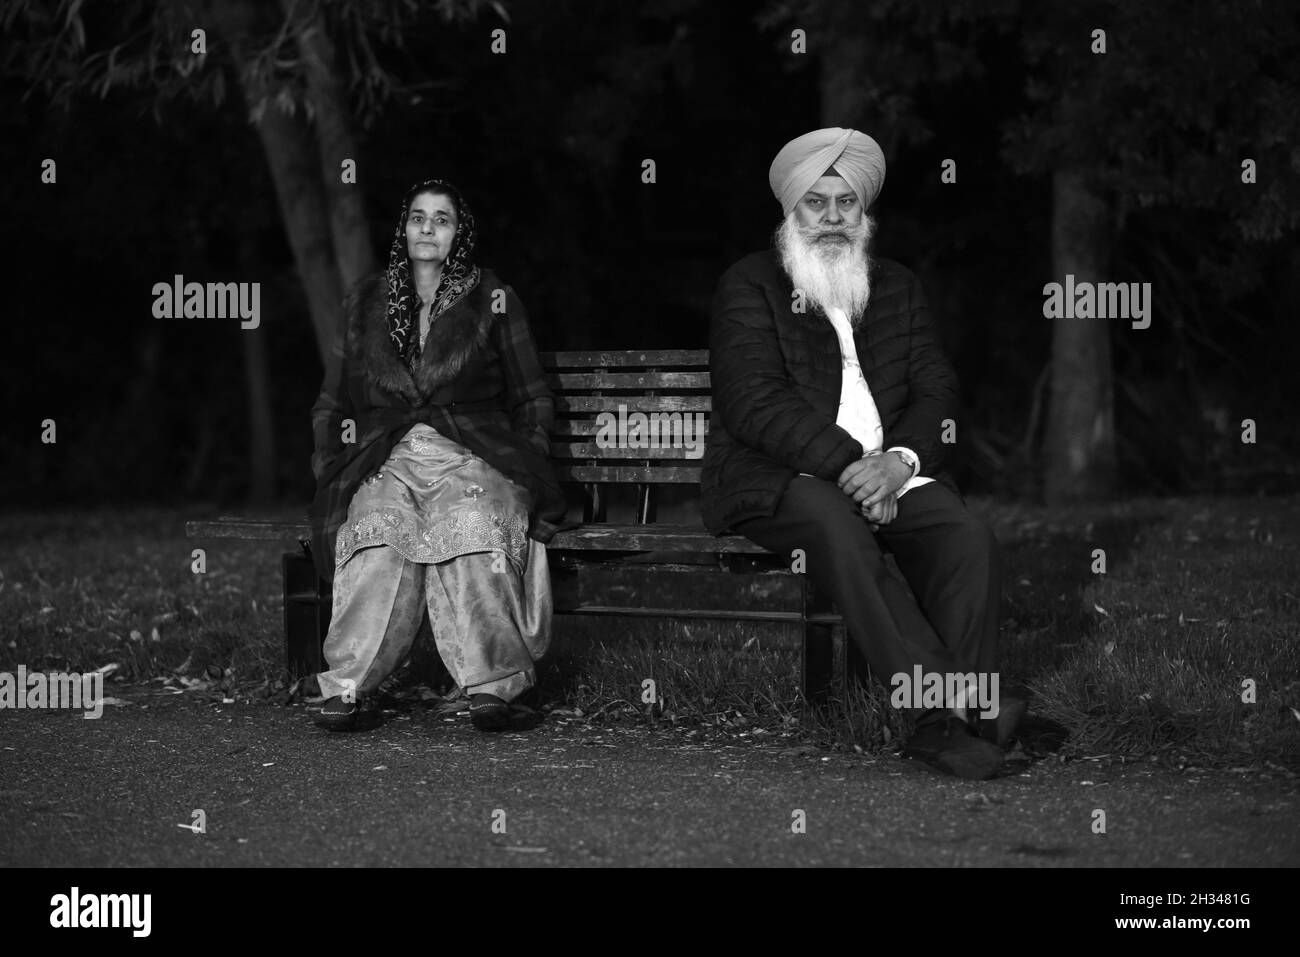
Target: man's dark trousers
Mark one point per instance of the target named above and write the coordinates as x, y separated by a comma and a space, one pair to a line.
948, 556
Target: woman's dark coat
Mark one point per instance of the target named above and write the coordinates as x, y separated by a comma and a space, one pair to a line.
776, 387
479, 382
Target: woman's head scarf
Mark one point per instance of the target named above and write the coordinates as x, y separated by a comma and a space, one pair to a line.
459, 274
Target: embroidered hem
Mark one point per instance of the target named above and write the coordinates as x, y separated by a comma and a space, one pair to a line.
465, 534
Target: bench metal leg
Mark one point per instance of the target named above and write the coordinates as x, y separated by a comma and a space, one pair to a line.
307, 608
818, 650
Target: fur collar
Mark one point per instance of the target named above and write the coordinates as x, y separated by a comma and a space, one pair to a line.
454, 338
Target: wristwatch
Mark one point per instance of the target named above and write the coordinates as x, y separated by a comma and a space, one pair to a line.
908, 458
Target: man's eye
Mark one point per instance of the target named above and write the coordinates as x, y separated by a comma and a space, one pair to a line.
814, 202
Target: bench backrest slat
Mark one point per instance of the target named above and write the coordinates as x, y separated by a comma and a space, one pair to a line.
655, 358
639, 381
598, 396
629, 474
577, 429
564, 451
632, 402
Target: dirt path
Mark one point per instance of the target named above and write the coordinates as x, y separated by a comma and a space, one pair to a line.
422, 790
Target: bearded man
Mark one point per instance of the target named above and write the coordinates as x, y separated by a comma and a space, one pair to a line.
832, 396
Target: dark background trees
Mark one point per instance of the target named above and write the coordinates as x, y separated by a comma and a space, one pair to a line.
1123, 166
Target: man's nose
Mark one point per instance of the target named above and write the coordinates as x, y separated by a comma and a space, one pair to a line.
833, 215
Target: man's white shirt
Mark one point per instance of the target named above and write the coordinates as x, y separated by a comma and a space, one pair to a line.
858, 414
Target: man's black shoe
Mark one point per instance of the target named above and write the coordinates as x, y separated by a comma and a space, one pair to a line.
952, 746
1041, 735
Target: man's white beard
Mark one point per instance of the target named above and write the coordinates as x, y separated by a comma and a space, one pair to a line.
830, 273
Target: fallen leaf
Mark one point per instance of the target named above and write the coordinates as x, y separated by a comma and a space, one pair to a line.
798, 750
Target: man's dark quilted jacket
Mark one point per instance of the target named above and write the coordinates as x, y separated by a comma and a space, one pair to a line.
776, 386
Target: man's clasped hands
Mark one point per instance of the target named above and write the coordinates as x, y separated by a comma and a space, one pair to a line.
873, 482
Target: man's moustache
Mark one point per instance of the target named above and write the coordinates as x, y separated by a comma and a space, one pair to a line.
815, 234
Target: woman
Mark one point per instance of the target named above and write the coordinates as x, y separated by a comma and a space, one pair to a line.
434, 486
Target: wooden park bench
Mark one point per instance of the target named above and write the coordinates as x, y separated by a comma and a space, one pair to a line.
637, 568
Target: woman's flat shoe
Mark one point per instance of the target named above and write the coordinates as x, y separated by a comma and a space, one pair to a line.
488, 712
339, 715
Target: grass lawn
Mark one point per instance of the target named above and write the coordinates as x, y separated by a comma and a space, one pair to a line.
1151, 658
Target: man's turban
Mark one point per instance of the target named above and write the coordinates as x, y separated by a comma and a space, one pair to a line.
805, 159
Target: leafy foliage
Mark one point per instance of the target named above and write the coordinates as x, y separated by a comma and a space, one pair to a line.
72, 48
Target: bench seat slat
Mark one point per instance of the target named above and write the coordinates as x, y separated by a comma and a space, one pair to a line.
653, 538
631, 538
826, 618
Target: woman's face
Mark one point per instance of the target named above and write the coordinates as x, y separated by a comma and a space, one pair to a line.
430, 228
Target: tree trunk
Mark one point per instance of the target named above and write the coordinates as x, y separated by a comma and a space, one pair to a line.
286, 141
261, 426
293, 157
1080, 439
335, 143
260, 401
291, 153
